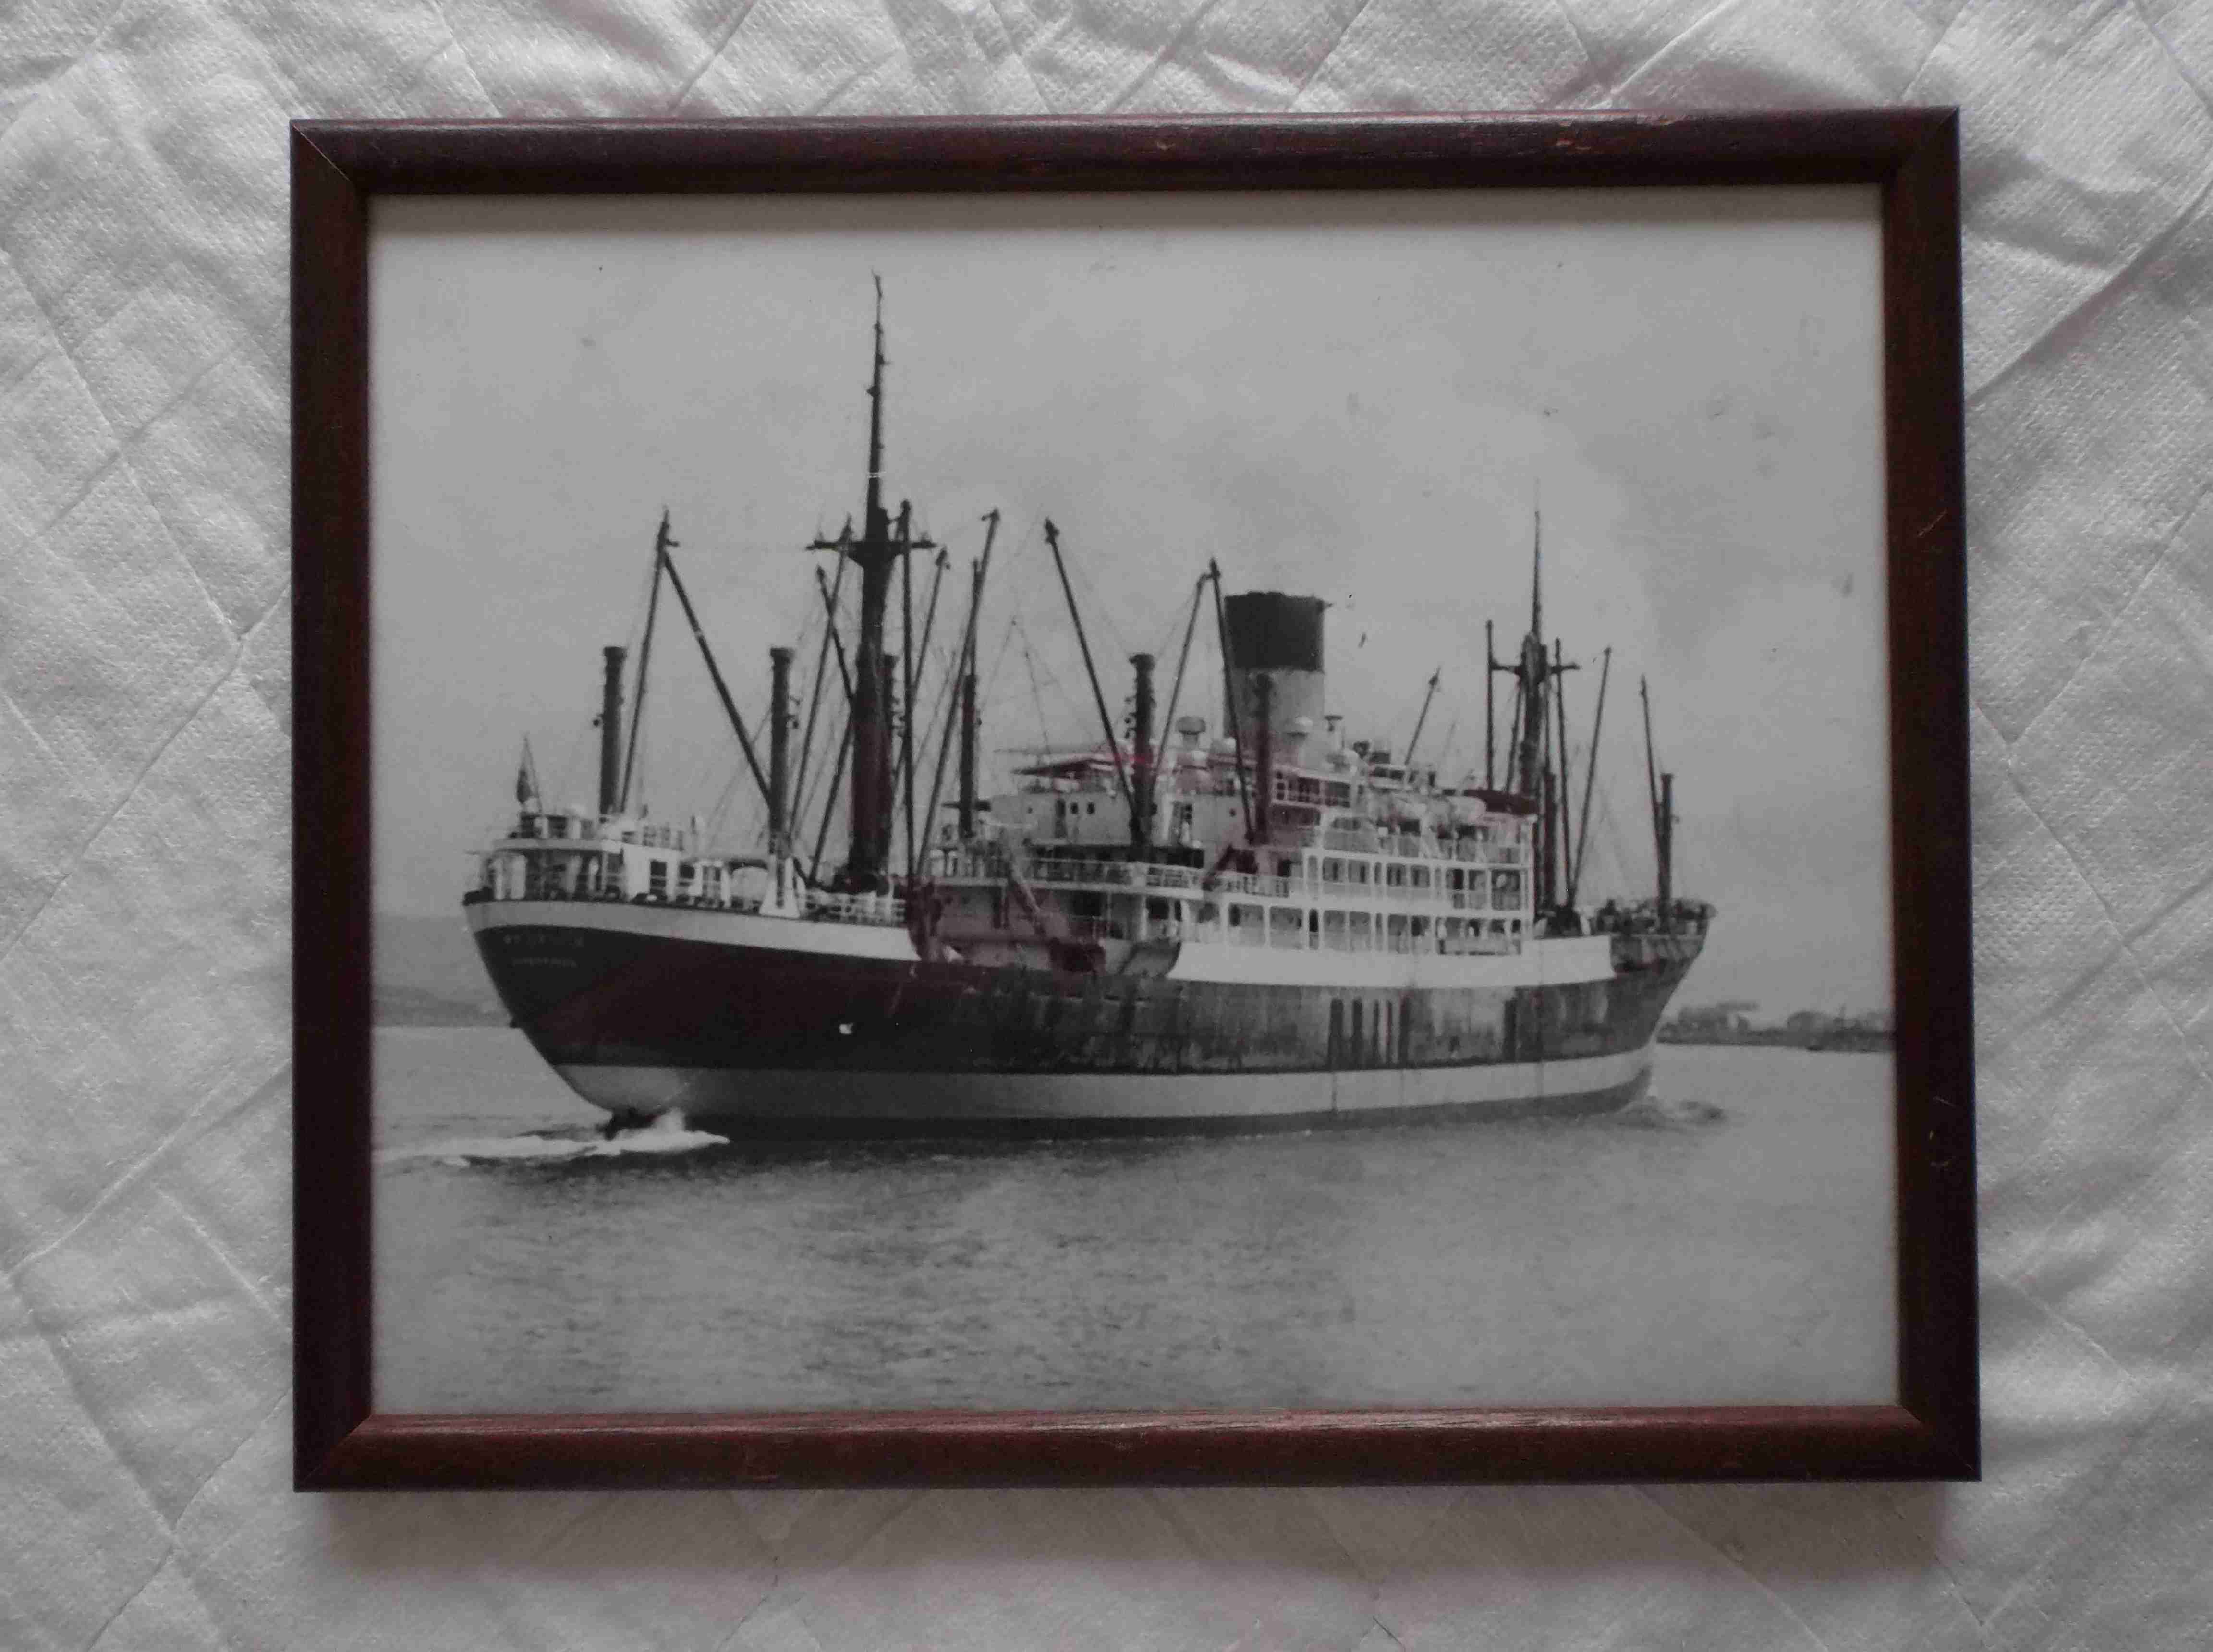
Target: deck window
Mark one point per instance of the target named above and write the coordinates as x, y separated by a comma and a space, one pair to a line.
1248, 925
1333, 934
1505, 889
1395, 928
1287, 927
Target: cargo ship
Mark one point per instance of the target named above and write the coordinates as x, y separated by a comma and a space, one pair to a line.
1256, 925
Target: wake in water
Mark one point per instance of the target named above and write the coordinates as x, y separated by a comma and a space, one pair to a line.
1668, 1113
666, 1134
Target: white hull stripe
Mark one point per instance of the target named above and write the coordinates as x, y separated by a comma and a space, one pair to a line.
1545, 963
708, 925
788, 1101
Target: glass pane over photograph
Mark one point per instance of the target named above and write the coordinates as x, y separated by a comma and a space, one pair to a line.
1131, 802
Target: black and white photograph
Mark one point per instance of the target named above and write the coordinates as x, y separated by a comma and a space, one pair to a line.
1131, 801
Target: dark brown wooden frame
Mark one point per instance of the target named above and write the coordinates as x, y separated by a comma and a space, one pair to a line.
1911, 155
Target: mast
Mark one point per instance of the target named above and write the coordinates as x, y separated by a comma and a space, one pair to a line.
961, 695
1533, 672
908, 670
1489, 716
1562, 788
929, 614
829, 797
1663, 803
1421, 722
1530, 775
611, 698
968, 730
830, 593
874, 552
968, 813
837, 643
1098, 695
1667, 853
1590, 776
645, 661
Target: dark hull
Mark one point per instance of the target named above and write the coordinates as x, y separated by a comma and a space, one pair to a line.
824, 1042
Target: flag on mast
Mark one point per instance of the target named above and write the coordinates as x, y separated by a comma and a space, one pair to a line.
526, 775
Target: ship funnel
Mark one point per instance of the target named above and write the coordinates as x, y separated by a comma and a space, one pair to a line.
1280, 635
779, 752
611, 717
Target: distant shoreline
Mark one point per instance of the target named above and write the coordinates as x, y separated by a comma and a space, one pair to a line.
1776, 1038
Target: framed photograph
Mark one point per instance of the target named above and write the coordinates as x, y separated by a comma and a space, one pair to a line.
1079, 802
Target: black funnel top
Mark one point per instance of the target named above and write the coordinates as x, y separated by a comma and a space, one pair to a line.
1270, 631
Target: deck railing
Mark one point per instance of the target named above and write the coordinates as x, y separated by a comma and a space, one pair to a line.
885, 911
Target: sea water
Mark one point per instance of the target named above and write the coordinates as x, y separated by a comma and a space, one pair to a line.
1730, 1240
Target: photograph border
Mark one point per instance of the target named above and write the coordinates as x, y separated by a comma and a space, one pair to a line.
1911, 154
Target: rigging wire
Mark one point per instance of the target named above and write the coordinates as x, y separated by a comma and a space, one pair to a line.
1037, 693
1075, 708
1090, 594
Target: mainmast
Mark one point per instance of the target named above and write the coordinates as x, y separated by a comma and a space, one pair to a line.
968, 728
1529, 757
1662, 790
1530, 771
875, 552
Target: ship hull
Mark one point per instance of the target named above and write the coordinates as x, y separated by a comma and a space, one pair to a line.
785, 1104
773, 1027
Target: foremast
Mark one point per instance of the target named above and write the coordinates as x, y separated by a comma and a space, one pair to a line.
883, 541
1529, 775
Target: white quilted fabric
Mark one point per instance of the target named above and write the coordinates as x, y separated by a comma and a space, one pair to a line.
144, 1110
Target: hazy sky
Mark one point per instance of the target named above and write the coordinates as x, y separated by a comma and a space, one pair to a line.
1356, 397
